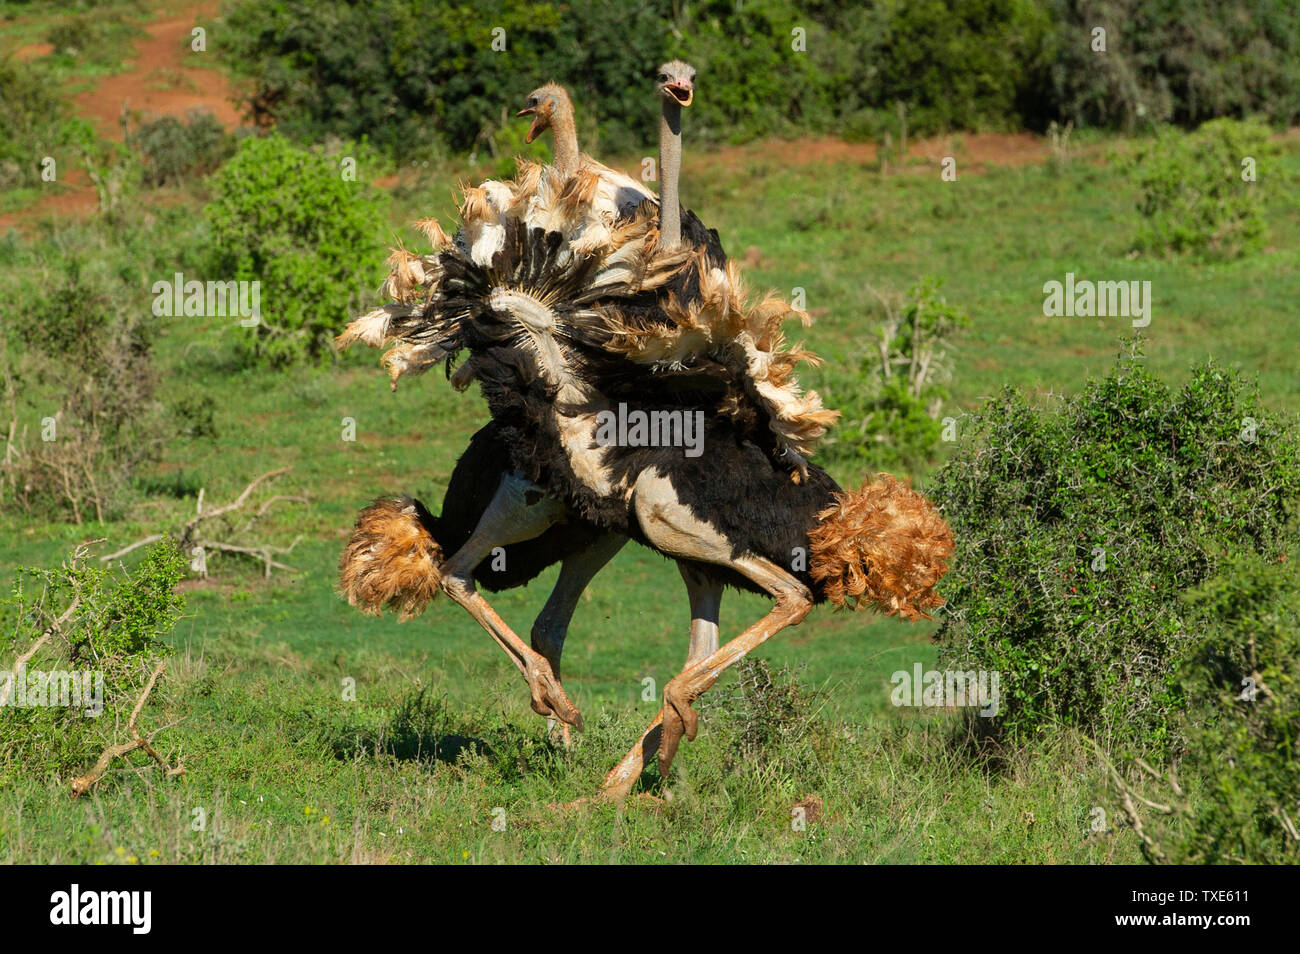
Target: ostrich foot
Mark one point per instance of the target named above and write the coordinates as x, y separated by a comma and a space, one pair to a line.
678, 718
548, 696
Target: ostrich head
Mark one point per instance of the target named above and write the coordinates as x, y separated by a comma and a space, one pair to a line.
676, 82
548, 105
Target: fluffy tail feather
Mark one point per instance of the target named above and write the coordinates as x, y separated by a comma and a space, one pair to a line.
392, 559
884, 545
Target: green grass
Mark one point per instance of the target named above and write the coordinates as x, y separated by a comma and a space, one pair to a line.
287, 771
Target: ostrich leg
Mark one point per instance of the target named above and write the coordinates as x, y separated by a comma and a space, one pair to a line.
518, 511
671, 527
706, 601
552, 624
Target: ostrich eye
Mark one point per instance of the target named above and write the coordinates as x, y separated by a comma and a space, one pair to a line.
663, 77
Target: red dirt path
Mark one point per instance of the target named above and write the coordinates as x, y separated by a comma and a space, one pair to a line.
165, 78
163, 59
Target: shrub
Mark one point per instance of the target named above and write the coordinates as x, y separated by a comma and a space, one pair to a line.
1078, 530
172, 151
34, 123
85, 348
109, 622
889, 408
1193, 196
768, 721
1242, 681
960, 63
286, 217
751, 82
99, 38
1235, 799
428, 70
1180, 61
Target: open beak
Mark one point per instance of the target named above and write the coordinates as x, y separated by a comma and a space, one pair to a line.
534, 130
684, 93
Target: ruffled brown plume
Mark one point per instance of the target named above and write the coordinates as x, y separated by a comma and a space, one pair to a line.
392, 559
885, 546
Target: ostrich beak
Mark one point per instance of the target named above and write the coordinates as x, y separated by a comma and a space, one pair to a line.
683, 93
535, 129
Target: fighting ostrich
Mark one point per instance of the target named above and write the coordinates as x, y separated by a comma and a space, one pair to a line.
581, 547
551, 109
542, 321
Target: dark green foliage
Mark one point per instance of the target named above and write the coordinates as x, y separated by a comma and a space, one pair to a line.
1180, 61
172, 151
196, 417
35, 122
410, 74
960, 63
1079, 528
751, 81
287, 217
1193, 194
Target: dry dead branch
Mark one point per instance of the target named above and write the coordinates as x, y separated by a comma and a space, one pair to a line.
193, 534
83, 783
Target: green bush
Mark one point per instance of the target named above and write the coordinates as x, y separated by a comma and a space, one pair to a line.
960, 63
98, 431
172, 151
103, 39
1078, 530
409, 74
1193, 194
1234, 795
110, 622
1242, 680
286, 217
35, 122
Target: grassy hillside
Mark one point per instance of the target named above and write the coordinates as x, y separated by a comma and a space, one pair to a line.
440, 733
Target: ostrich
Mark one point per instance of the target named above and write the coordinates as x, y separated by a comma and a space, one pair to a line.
552, 334
581, 547
551, 108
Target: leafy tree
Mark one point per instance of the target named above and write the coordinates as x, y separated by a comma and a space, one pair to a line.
288, 218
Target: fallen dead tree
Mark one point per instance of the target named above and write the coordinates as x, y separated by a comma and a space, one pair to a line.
83, 783
236, 521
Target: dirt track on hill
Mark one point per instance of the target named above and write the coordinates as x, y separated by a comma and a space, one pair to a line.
165, 78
